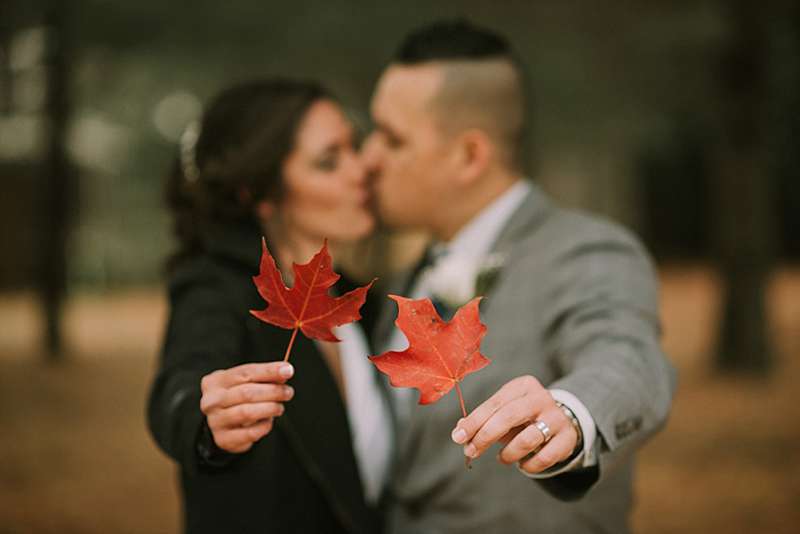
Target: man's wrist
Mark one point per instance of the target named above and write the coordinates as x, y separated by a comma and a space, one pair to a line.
583, 455
586, 423
573, 420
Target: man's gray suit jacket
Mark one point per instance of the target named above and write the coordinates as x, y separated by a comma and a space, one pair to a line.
576, 306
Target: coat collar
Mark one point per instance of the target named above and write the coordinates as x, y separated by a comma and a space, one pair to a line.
239, 242
316, 427
315, 421
529, 214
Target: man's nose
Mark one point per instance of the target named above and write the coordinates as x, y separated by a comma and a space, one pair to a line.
370, 152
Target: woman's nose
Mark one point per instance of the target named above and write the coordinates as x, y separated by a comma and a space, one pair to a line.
356, 171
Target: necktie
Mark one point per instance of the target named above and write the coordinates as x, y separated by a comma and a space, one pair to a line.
404, 398
444, 311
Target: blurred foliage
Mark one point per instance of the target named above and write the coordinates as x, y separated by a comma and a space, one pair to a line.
612, 85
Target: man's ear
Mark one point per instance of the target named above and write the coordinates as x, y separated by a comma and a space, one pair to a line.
474, 153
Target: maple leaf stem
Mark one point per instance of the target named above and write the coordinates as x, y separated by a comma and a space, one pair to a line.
461, 400
291, 343
467, 459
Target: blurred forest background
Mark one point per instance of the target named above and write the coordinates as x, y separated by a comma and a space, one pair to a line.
679, 118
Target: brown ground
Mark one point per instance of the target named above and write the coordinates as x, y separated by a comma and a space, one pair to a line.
75, 457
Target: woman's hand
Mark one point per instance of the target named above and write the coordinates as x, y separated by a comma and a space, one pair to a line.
240, 403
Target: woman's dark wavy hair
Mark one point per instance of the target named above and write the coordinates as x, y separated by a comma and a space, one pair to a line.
246, 134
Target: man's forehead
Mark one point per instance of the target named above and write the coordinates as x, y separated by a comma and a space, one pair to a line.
409, 86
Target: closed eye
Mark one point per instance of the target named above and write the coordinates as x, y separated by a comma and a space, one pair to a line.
329, 159
393, 140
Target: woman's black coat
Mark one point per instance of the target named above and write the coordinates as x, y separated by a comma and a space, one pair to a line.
302, 477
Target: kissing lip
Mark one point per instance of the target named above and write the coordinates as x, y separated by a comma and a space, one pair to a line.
363, 197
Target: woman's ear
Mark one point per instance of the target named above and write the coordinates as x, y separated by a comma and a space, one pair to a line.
265, 210
474, 155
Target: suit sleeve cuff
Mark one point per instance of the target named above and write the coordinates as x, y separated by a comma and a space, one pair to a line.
586, 457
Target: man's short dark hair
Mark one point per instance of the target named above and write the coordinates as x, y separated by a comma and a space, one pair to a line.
452, 40
468, 98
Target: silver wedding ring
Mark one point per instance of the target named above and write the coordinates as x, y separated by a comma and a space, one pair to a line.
544, 429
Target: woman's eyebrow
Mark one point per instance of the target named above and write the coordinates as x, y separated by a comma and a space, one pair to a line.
333, 146
337, 144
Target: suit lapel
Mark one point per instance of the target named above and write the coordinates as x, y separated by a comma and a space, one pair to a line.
532, 212
528, 215
400, 285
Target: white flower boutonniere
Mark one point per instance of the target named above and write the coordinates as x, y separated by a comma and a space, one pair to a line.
455, 280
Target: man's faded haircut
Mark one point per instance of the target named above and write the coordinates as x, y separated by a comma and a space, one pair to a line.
455, 39
484, 83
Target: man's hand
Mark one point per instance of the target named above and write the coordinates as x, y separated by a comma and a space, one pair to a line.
241, 402
509, 416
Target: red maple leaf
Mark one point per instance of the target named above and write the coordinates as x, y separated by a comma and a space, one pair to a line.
307, 306
440, 354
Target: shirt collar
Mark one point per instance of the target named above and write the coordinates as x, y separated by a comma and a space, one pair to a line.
476, 238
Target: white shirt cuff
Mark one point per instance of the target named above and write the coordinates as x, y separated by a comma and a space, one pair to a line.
587, 457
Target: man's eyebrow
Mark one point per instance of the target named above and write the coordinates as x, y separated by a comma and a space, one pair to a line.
385, 128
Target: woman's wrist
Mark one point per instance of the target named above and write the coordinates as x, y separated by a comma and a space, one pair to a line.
208, 452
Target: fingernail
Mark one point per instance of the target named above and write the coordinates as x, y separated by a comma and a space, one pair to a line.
288, 391
470, 451
286, 371
459, 435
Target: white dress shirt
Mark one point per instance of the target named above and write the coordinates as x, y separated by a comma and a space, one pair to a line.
367, 410
472, 243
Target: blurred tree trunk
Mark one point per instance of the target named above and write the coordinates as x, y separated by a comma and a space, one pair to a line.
743, 213
5, 67
57, 179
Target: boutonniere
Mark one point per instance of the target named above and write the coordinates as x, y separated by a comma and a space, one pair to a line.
456, 279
